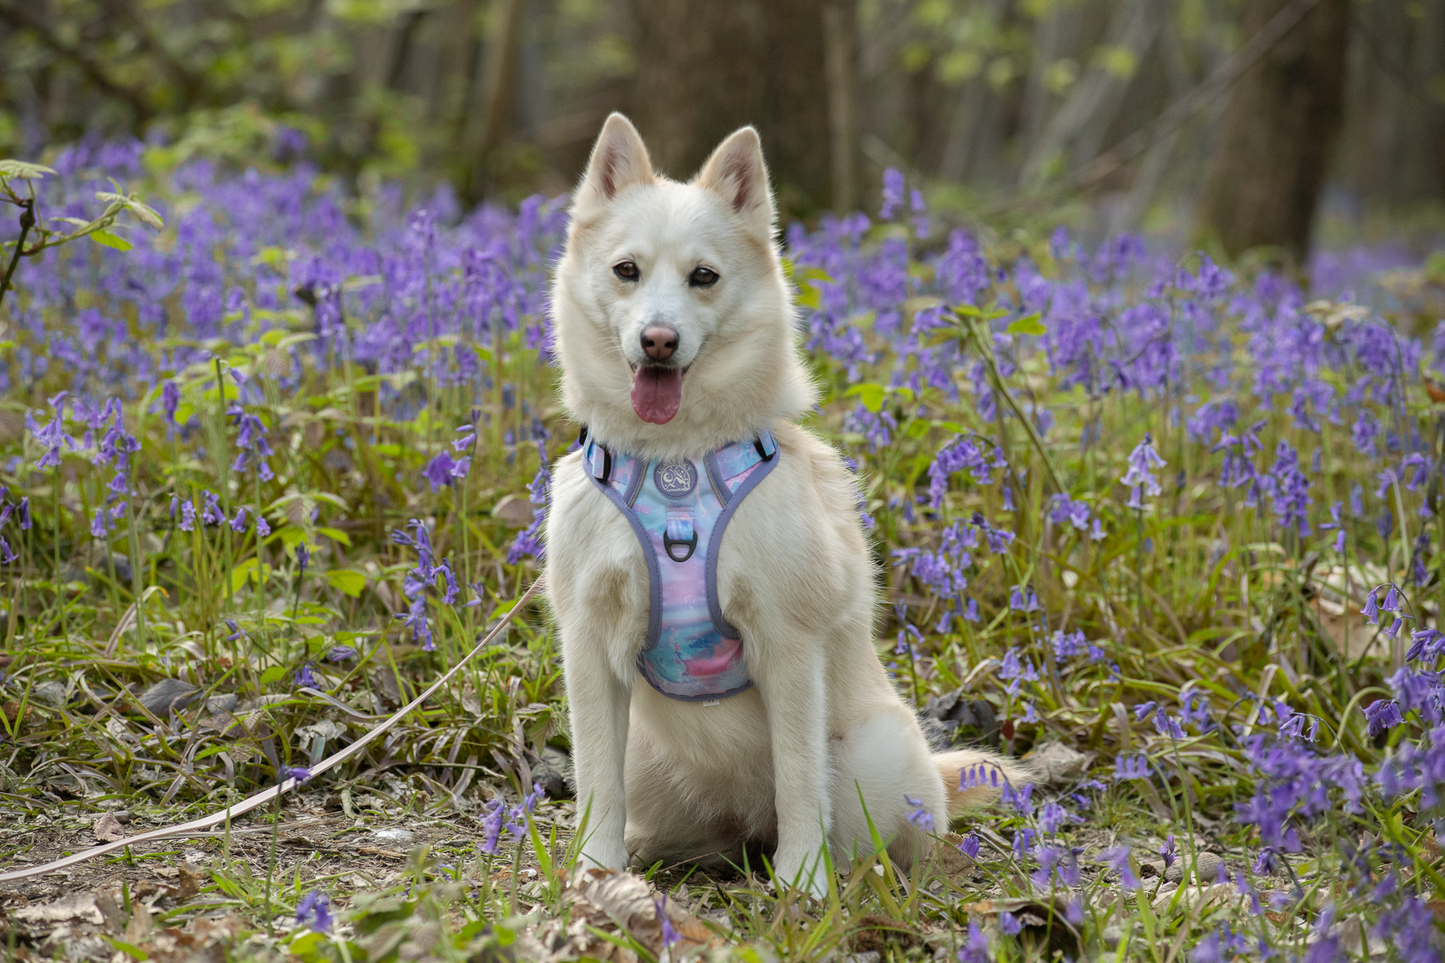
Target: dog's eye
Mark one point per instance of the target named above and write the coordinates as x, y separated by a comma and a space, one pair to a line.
627, 271
702, 277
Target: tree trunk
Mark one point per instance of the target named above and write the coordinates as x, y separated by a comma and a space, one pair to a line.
1278, 131
707, 68
841, 49
487, 121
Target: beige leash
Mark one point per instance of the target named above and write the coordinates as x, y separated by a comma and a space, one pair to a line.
196, 826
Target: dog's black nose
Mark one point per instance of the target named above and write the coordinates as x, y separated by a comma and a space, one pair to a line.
659, 341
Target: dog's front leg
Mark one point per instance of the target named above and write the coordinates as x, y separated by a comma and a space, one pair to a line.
791, 683
599, 703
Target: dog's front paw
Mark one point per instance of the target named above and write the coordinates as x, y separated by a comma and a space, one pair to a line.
804, 870
597, 855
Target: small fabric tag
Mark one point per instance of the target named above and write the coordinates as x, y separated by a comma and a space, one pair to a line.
712, 702
679, 526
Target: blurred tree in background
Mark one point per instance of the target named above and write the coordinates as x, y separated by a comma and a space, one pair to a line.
1229, 118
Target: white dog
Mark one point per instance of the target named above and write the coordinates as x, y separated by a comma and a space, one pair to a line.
678, 348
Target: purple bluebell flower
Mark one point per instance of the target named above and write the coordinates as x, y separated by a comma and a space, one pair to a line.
301, 774
920, 214
303, 556
306, 677
415, 619
211, 512
1383, 714
1425, 644
892, 193
1053, 816
314, 911
969, 846
1142, 461
170, 400
1335, 525
1015, 671
236, 631
1168, 851
492, 827
975, 947
1117, 859
238, 524
1008, 924
670, 936
1371, 611
918, 814
188, 517
1019, 799
438, 471
341, 653
262, 528
963, 452
1410, 928
1131, 767
7, 554
876, 427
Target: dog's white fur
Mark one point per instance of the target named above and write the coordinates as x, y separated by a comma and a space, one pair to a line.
782, 764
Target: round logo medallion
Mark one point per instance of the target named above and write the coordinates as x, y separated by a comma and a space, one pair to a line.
675, 479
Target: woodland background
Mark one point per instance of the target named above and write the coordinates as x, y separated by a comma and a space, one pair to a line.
1143, 113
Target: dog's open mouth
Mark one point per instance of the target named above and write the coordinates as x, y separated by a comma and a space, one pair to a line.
656, 393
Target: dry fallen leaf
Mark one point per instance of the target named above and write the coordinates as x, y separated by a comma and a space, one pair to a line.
614, 903
189, 885
77, 906
107, 829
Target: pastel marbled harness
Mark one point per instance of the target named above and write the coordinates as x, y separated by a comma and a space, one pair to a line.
679, 511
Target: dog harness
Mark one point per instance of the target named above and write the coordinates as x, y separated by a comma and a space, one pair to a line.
679, 511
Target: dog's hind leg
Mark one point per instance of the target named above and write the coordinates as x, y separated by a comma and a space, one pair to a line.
881, 773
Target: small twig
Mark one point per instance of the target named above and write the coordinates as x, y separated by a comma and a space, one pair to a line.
1002, 389
27, 221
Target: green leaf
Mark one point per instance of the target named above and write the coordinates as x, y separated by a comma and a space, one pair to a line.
347, 581
1028, 324
336, 535
870, 394
22, 170
110, 240
273, 674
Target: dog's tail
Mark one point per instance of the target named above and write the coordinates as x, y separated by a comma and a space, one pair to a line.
976, 776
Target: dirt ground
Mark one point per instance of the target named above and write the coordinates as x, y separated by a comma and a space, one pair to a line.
319, 845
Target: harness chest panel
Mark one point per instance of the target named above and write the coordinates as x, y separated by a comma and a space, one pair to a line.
679, 510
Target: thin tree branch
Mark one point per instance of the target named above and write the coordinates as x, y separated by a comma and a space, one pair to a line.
1182, 109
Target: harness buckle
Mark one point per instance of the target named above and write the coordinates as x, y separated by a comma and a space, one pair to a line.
766, 450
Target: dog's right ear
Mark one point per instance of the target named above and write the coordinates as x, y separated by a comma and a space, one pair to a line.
619, 160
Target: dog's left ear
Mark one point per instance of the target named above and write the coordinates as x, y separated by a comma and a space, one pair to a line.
737, 172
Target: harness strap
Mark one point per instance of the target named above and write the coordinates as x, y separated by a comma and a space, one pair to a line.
691, 652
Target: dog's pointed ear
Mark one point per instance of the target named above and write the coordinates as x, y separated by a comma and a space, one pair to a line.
619, 160
737, 172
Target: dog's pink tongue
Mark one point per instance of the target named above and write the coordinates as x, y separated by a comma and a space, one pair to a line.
656, 394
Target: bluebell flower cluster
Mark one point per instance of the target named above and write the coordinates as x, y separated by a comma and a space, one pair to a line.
512, 819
